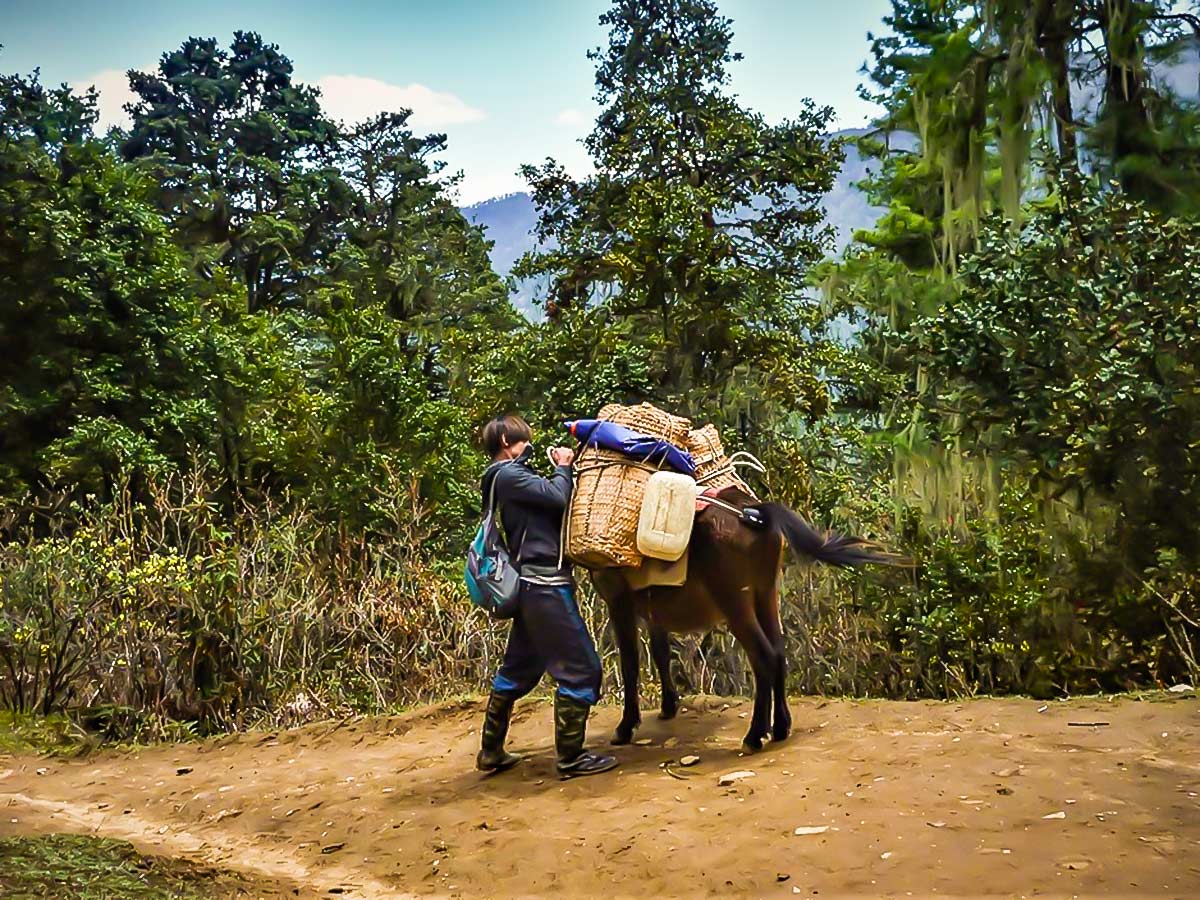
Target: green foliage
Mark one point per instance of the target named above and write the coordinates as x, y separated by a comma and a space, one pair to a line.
1025, 384
981, 82
584, 359
1146, 136
997, 603
96, 333
244, 351
260, 292
983, 614
1070, 346
143, 615
242, 154
292, 313
48, 735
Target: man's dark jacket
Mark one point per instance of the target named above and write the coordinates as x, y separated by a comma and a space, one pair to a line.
531, 508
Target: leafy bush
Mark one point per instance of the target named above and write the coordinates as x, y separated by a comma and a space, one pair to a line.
1070, 347
146, 614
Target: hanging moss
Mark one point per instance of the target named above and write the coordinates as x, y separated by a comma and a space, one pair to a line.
1023, 83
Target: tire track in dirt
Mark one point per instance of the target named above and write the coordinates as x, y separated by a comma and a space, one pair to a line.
212, 849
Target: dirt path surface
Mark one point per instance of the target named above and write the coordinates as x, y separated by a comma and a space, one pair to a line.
988, 797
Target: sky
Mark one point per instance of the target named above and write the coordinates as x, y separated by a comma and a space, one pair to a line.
508, 81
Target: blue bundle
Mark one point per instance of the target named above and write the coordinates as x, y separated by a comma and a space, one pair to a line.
610, 436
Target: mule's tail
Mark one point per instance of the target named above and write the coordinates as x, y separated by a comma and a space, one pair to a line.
828, 547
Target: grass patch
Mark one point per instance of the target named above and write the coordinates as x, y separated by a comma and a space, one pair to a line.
75, 867
54, 735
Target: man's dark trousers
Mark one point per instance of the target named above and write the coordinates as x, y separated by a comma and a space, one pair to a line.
548, 635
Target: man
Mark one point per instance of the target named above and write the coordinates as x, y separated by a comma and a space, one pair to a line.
548, 634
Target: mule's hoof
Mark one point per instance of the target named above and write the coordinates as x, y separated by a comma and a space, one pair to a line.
752, 745
670, 708
779, 735
621, 737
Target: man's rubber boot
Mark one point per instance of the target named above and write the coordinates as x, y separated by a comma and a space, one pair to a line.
492, 756
570, 725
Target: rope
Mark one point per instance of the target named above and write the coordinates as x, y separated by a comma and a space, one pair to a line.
627, 461
748, 460
728, 507
730, 468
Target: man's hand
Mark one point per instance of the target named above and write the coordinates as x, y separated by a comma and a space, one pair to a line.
562, 456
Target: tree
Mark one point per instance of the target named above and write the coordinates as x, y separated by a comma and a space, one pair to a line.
45, 117
409, 299
970, 89
980, 81
408, 246
700, 222
242, 154
1144, 135
99, 320
354, 260
131, 350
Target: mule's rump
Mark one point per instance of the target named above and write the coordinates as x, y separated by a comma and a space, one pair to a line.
733, 578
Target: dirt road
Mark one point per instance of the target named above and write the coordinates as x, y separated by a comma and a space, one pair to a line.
988, 797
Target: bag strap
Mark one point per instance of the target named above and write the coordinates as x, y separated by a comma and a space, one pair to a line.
492, 511
492, 491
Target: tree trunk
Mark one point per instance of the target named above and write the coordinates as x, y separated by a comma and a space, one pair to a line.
1053, 34
1125, 117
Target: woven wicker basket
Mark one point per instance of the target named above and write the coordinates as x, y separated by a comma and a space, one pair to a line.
713, 469
607, 501
646, 418
605, 505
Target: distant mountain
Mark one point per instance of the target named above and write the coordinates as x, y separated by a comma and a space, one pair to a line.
846, 207
509, 220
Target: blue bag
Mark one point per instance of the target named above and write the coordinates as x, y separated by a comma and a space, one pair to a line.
611, 436
492, 580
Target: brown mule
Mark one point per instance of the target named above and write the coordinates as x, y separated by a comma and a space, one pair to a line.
733, 577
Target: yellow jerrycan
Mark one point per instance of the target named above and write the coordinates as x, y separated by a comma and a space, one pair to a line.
668, 511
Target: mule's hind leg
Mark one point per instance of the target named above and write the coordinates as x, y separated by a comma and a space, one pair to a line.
782, 725
660, 650
764, 660
772, 627
624, 621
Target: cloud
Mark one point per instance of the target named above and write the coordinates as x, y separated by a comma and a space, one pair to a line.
569, 116
353, 98
479, 185
113, 85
